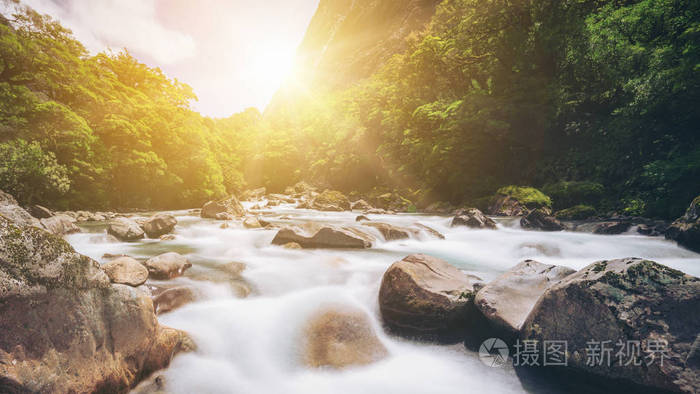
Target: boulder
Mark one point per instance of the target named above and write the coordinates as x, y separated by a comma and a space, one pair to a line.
539, 219
173, 298
619, 302
321, 236
125, 229
223, 216
159, 224
292, 245
612, 228
473, 218
230, 206
167, 237
126, 270
65, 328
254, 194
393, 202
391, 232
426, 298
360, 218
251, 222
281, 198
12, 211
431, 231
518, 200
508, 299
340, 336
360, 205
60, 225
40, 212
331, 200
686, 229
167, 265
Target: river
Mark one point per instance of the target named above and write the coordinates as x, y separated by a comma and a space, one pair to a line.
251, 345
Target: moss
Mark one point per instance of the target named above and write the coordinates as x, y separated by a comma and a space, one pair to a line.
578, 212
566, 194
528, 196
600, 266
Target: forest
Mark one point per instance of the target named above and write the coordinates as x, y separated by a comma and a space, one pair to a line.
600, 97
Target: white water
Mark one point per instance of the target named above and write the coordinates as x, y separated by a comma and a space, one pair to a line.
251, 345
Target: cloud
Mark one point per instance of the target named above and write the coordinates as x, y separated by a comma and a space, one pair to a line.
132, 24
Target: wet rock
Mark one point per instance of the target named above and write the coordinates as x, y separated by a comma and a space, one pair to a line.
125, 229
223, 216
393, 202
361, 218
250, 222
12, 211
167, 237
173, 298
612, 228
431, 231
391, 232
473, 218
623, 301
254, 194
234, 268
291, 245
159, 224
427, 298
65, 327
317, 236
686, 229
508, 299
40, 212
60, 225
224, 226
331, 200
126, 271
167, 265
281, 198
230, 206
360, 205
341, 336
539, 219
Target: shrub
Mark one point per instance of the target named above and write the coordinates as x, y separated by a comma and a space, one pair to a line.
578, 212
567, 194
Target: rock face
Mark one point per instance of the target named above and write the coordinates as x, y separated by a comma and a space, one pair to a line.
686, 230
65, 327
167, 265
11, 210
230, 206
625, 300
425, 297
125, 229
508, 299
538, 219
60, 225
314, 236
159, 224
331, 200
127, 271
339, 337
472, 218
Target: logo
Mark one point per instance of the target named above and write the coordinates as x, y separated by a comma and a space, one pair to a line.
493, 352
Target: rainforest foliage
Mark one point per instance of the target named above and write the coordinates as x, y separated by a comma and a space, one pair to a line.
596, 98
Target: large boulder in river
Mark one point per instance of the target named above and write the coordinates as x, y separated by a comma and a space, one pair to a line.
60, 225
126, 270
230, 206
125, 229
391, 232
167, 266
12, 211
65, 328
311, 235
619, 303
539, 219
159, 224
340, 336
473, 218
427, 298
331, 200
686, 230
508, 299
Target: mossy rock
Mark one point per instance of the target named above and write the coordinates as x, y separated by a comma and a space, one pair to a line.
528, 196
578, 212
566, 194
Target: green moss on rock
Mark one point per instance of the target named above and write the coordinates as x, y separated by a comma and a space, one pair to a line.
529, 196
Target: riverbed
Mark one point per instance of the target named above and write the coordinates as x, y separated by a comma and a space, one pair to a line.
252, 344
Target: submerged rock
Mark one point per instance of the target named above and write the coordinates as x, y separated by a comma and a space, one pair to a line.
230, 206
125, 229
159, 224
341, 336
539, 219
686, 229
60, 225
425, 297
65, 327
317, 236
360, 218
173, 298
126, 270
167, 265
473, 218
625, 301
508, 299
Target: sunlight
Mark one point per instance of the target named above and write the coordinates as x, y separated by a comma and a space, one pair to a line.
269, 65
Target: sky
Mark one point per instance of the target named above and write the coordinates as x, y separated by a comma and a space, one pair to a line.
234, 53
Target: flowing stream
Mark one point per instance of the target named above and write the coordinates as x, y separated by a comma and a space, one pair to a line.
251, 345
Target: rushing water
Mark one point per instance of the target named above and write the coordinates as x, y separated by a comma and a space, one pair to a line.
251, 345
